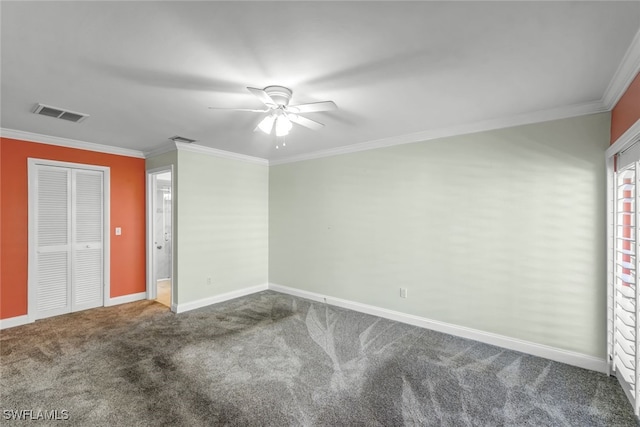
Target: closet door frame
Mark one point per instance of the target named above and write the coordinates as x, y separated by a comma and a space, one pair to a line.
32, 165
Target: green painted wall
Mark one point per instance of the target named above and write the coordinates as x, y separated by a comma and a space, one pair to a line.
223, 225
501, 231
165, 159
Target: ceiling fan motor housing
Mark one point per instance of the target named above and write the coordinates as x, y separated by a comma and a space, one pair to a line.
280, 94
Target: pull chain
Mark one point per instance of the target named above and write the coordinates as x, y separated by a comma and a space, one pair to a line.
284, 142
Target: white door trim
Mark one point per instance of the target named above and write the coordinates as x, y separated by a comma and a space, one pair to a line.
151, 277
32, 163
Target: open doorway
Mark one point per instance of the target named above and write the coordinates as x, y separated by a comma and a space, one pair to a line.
160, 236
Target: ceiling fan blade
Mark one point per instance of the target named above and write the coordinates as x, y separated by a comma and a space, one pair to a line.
313, 107
262, 96
303, 121
240, 109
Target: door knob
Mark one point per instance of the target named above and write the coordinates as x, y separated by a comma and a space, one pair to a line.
159, 246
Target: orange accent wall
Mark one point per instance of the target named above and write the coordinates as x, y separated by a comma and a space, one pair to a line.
627, 110
127, 205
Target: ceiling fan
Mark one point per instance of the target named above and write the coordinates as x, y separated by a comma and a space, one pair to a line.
280, 114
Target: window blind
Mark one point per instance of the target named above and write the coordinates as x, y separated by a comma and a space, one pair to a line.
625, 326
628, 156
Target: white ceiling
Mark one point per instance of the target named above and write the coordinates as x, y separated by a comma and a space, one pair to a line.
146, 71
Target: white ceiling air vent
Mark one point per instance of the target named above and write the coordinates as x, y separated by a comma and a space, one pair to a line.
59, 113
182, 139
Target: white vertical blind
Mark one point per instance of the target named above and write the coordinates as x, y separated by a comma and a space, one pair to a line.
625, 327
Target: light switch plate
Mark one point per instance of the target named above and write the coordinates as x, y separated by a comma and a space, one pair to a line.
118, 231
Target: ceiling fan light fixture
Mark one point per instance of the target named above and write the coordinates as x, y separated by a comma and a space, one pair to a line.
266, 125
283, 125
279, 114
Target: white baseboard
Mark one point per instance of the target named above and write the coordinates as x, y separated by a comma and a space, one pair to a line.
12, 322
192, 305
23, 320
125, 299
540, 350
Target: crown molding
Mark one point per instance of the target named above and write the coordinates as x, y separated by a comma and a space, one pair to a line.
69, 143
201, 149
166, 148
494, 124
624, 75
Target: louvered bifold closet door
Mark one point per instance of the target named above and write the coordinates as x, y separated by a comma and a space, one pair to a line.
625, 349
87, 289
53, 241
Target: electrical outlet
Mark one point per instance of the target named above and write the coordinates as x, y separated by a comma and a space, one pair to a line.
209, 283
403, 292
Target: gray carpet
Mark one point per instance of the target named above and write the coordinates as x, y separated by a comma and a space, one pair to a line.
273, 359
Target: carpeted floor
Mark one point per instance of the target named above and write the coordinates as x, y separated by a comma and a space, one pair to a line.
273, 359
